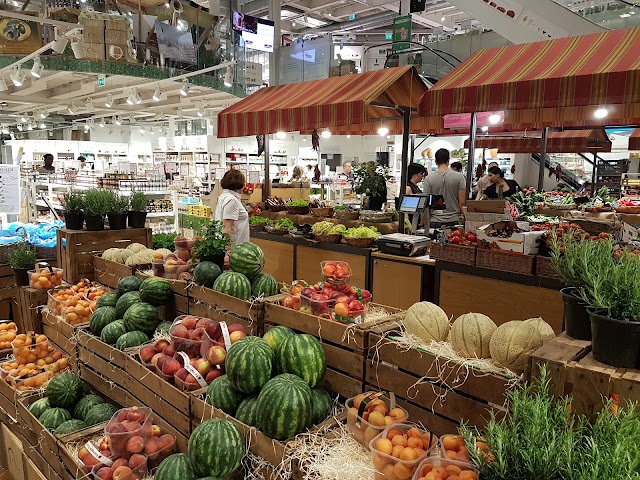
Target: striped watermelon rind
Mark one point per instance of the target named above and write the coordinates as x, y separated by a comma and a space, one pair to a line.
85, 404
70, 426
64, 390
176, 466
38, 407
128, 284
284, 407
234, 284
100, 413
249, 364
302, 355
142, 317
247, 411
264, 285
216, 448
102, 317
107, 300
322, 405
206, 273
156, 291
276, 335
125, 301
54, 417
222, 395
246, 258
112, 332
131, 339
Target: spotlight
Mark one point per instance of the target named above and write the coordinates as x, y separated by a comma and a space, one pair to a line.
132, 98
5, 130
443, 18
43, 125
228, 77
72, 109
151, 131
184, 90
86, 127
3, 85
37, 68
326, 133
30, 126
18, 77
59, 44
44, 114
88, 103
383, 131
304, 139
109, 102
485, 129
200, 111
118, 120
156, 94
281, 135
24, 117
102, 123
20, 127
142, 130
601, 112
348, 136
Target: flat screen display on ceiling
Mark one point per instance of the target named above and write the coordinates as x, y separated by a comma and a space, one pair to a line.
256, 33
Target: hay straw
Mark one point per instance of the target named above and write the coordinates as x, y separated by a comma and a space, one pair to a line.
74, 447
376, 313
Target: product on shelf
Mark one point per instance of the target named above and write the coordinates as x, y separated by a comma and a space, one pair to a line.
45, 278
362, 424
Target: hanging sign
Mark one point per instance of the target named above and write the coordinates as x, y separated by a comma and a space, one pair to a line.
401, 33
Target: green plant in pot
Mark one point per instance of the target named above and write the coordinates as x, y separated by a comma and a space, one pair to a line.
74, 203
370, 180
118, 211
97, 204
212, 247
138, 210
22, 258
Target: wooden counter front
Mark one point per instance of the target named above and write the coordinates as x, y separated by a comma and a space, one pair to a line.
278, 259
308, 264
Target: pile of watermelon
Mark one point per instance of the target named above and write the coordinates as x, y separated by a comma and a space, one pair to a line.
128, 317
244, 280
67, 407
271, 383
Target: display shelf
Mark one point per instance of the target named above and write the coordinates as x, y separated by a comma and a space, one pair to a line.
609, 174
630, 184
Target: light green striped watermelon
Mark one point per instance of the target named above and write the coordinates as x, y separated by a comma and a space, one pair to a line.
322, 405
100, 413
246, 258
206, 273
285, 407
38, 407
112, 332
107, 300
142, 317
249, 364
131, 339
125, 301
264, 285
85, 404
175, 467
222, 395
275, 336
156, 291
102, 317
64, 390
234, 284
54, 417
247, 411
216, 448
302, 355
70, 426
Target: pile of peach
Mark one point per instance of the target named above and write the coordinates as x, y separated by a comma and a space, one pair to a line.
69, 305
376, 416
45, 278
8, 333
398, 450
448, 471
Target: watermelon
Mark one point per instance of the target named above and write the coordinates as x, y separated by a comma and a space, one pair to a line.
322, 405
276, 336
70, 426
142, 317
112, 332
205, 274
222, 395
102, 317
107, 300
246, 258
285, 407
64, 390
174, 467
85, 404
100, 413
54, 417
247, 411
302, 355
249, 364
128, 284
132, 339
216, 448
234, 284
125, 301
38, 407
163, 328
264, 285
156, 291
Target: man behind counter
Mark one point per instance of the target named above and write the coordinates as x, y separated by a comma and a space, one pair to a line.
452, 186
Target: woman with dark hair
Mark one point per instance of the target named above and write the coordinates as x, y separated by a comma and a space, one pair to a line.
500, 187
230, 211
415, 175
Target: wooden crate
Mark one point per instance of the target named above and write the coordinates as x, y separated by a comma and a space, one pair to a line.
436, 387
76, 248
345, 346
252, 313
30, 302
63, 334
108, 273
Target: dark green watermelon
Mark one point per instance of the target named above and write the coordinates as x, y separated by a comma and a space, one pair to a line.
125, 301
107, 300
102, 317
128, 284
222, 395
206, 273
247, 411
322, 405
142, 317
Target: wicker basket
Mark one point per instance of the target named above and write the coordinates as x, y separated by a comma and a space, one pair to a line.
276, 208
359, 242
297, 210
322, 212
629, 210
505, 261
276, 231
544, 268
329, 238
256, 228
453, 253
346, 216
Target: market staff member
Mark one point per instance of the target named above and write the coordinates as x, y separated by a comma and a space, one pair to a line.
500, 185
48, 165
347, 168
452, 186
230, 211
415, 174
484, 182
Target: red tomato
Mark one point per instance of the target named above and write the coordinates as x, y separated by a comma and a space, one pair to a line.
456, 233
455, 239
470, 236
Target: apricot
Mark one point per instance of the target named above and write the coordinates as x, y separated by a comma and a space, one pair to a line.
440, 472
468, 475
393, 432
414, 442
413, 432
408, 454
402, 471
450, 442
389, 472
357, 400
453, 469
397, 449
376, 419
451, 454
431, 476
399, 440
426, 469
379, 461
384, 445
396, 413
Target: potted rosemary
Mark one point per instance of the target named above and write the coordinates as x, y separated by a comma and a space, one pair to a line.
96, 207
73, 203
370, 181
213, 246
137, 210
22, 258
118, 211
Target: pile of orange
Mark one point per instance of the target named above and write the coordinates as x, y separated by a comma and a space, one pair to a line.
7, 334
71, 305
399, 449
45, 278
448, 471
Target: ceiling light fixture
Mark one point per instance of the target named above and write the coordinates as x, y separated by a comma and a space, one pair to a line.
443, 18
156, 94
134, 98
494, 118
184, 90
20, 127
88, 103
485, 129
228, 77
44, 114
43, 125
37, 68
5, 130
326, 133
200, 111
109, 102
24, 117
72, 109
86, 127
348, 136
601, 112
142, 130
3, 85
118, 120
281, 135
59, 44
383, 131
30, 126
18, 77
102, 122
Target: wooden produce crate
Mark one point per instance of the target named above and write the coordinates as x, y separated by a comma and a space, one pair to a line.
108, 273
123, 370
208, 303
30, 302
62, 333
345, 345
76, 248
427, 385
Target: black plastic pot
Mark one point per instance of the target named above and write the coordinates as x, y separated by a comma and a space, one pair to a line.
22, 276
576, 318
615, 342
117, 221
74, 221
137, 219
217, 259
94, 222
376, 202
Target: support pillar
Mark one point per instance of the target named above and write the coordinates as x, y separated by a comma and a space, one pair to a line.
473, 126
543, 156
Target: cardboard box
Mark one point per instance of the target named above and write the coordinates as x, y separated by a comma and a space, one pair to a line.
524, 242
116, 37
117, 52
93, 34
487, 206
94, 51
121, 24
92, 23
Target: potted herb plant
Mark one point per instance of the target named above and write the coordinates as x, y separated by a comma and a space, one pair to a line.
138, 210
96, 207
73, 203
369, 180
22, 258
213, 246
118, 211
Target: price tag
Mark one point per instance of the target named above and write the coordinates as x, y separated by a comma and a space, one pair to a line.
93, 450
225, 335
189, 368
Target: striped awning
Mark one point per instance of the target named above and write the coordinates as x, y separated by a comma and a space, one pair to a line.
348, 100
634, 140
551, 79
568, 141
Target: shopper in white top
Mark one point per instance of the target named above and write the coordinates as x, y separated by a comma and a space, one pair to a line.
230, 211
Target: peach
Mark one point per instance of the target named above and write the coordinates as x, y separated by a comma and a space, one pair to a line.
160, 344
135, 444
397, 449
105, 473
202, 322
169, 351
167, 440
119, 463
216, 355
236, 327
136, 415
393, 432
170, 366
147, 352
180, 331
182, 374
213, 374
122, 415
413, 432
380, 407
235, 336
431, 476
453, 477
451, 454
453, 469
376, 419
104, 444
137, 461
191, 380
399, 440
156, 357
123, 473
468, 475
82, 452
189, 322
388, 472
90, 461
414, 442
388, 420
197, 334
152, 446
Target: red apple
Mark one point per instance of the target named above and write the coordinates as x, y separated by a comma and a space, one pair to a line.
336, 294
191, 380
182, 374
213, 329
296, 289
147, 352
104, 444
327, 291
123, 473
213, 374
189, 322
216, 355
329, 269
342, 309
343, 299
170, 366
366, 294
235, 336
320, 297
356, 306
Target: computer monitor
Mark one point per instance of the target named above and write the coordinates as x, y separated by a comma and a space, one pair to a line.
413, 203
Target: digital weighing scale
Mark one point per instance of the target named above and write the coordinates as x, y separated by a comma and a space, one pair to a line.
411, 245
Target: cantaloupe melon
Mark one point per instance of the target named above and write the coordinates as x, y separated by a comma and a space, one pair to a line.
512, 341
471, 334
427, 322
543, 327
